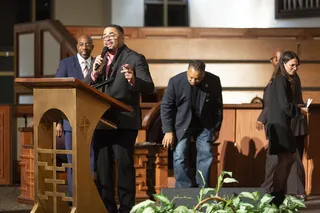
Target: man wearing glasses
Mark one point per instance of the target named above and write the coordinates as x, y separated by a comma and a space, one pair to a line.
131, 75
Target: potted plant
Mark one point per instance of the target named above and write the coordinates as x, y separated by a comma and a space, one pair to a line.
209, 201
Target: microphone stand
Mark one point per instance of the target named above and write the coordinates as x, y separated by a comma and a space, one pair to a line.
105, 82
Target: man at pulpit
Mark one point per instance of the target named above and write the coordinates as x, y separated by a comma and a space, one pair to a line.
192, 108
130, 76
76, 66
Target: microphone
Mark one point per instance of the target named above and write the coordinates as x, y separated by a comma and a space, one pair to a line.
103, 54
107, 81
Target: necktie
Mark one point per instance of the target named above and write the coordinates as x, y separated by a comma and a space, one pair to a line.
85, 69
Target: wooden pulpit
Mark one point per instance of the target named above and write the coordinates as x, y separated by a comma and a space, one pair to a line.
83, 106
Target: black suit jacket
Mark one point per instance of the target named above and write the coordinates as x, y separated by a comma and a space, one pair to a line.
122, 90
281, 109
176, 104
298, 124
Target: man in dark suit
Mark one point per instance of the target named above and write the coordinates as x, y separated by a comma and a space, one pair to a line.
192, 107
130, 73
76, 66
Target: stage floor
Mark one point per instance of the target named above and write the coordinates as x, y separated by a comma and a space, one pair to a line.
9, 204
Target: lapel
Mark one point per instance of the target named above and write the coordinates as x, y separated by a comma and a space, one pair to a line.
121, 56
203, 92
78, 69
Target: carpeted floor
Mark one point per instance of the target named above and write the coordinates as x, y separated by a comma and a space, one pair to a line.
8, 200
9, 204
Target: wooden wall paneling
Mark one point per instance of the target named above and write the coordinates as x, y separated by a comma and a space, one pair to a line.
314, 94
142, 32
235, 74
219, 32
312, 157
231, 74
251, 144
76, 31
176, 32
226, 148
207, 49
96, 32
5, 145
309, 74
220, 49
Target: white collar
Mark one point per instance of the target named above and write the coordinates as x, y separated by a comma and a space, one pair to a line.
80, 59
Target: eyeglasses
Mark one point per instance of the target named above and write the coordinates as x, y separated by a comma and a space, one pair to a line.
293, 65
111, 36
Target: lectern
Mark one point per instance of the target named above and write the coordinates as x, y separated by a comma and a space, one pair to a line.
83, 106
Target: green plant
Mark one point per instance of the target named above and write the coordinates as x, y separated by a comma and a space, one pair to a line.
209, 201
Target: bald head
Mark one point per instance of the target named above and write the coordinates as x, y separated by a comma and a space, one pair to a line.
86, 37
276, 56
85, 46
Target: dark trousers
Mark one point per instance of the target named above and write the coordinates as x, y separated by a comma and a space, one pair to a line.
110, 146
296, 179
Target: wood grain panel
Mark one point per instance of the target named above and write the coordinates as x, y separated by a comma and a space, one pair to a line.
176, 32
216, 48
251, 144
240, 97
315, 95
142, 32
235, 74
312, 157
5, 145
226, 148
96, 32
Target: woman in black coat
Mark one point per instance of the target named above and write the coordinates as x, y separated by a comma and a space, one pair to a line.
281, 109
296, 179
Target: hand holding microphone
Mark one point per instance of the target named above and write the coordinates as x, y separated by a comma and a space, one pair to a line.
99, 62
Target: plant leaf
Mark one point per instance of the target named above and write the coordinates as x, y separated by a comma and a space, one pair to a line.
141, 205
256, 194
207, 190
247, 195
210, 209
149, 209
163, 199
266, 199
202, 178
270, 209
181, 209
247, 205
230, 180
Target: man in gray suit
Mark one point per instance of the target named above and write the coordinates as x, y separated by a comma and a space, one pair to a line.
130, 73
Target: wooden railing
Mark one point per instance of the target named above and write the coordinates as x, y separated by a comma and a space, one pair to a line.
63, 37
297, 8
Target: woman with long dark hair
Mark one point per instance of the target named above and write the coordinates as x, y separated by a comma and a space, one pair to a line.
281, 110
296, 178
